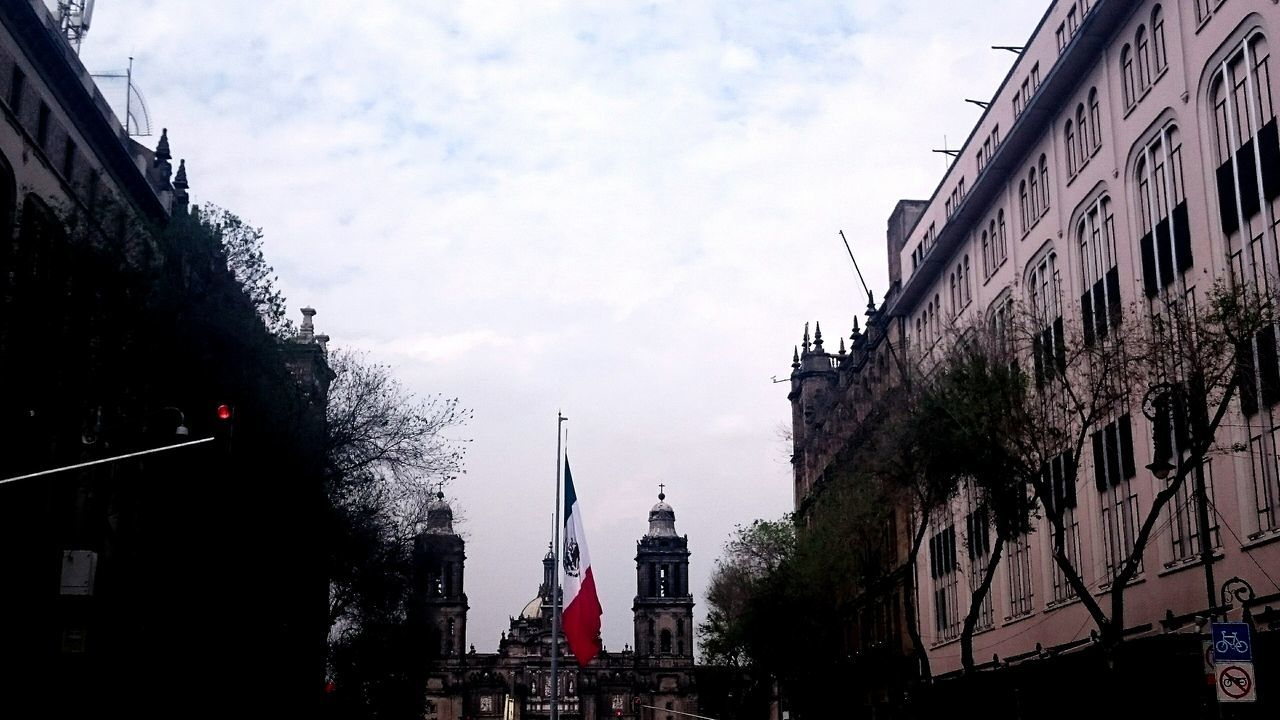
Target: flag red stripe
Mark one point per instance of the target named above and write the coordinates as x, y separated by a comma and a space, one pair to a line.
582, 621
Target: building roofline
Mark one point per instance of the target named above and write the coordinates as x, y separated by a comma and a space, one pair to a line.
1081, 53
59, 68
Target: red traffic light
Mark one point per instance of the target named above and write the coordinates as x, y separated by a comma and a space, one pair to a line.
224, 412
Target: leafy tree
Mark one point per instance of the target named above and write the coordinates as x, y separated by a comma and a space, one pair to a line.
242, 249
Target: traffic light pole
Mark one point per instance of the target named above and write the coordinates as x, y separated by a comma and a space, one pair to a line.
103, 461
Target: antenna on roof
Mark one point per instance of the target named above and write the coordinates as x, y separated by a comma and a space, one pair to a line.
1015, 49
951, 154
73, 20
137, 120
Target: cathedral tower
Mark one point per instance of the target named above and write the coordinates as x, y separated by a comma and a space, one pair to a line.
663, 606
439, 599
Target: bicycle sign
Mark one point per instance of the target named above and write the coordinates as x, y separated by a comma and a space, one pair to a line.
1231, 643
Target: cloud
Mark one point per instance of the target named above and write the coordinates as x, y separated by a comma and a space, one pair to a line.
625, 210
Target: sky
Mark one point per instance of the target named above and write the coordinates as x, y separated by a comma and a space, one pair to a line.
625, 211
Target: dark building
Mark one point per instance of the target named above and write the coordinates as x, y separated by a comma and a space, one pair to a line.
653, 681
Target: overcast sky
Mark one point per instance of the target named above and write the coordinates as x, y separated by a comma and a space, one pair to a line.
624, 210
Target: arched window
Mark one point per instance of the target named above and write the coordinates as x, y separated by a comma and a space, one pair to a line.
1070, 137
987, 264
1245, 133
1082, 121
1002, 247
1095, 120
1144, 58
1100, 308
1043, 200
1022, 206
937, 306
1048, 349
965, 285
955, 294
1157, 39
1162, 211
666, 642
1127, 79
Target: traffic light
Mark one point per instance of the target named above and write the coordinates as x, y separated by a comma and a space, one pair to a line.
224, 419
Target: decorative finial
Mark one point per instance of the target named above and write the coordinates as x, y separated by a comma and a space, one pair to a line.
662, 495
180, 180
841, 353
795, 357
817, 337
857, 331
162, 147
871, 302
308, 329
805, 343
440, 495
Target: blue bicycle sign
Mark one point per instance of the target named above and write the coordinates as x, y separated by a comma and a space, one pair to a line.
1231, 642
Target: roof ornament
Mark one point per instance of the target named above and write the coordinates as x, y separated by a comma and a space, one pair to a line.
795, 357
162, 147
805, 343
662, 494
857, 331
817, 337
841, 353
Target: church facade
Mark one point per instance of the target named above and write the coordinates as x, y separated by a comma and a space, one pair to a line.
651, 680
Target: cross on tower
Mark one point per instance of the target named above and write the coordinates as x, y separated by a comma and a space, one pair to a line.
662, 491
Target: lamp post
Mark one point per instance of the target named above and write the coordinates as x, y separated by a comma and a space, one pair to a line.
1169, 400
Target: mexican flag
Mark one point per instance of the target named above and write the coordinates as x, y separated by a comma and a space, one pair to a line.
581, 616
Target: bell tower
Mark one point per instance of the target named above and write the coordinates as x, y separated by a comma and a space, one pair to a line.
440, 603
663, 605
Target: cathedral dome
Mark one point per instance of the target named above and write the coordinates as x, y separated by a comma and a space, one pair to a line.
533, 610
662, 519
439, 516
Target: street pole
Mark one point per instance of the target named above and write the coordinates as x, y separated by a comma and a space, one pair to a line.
555, 585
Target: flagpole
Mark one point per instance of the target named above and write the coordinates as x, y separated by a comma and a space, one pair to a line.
555, 585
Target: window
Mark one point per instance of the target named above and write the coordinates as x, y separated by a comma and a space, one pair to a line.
1184, 524
1248, 157
1002, 248
1069, 136
666, 642
1082, 142
1023, 206
1035, 78
17, 84
664, 582
1113, 467
1002, 323
1048, 345
1033, 191
988, 264
1157, 40
1095, 120
966, 286
69, 160
1062, 38
1073, 22
1127, 78
1100, 304
1204, 9
1144, 58
943, 570
977, 540
1017, 104
1060, 475
1162, 212
955, 294
42, 126
1044, 184
1019, 569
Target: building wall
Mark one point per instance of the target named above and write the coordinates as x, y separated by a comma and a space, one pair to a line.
1071, 66
1177, 97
